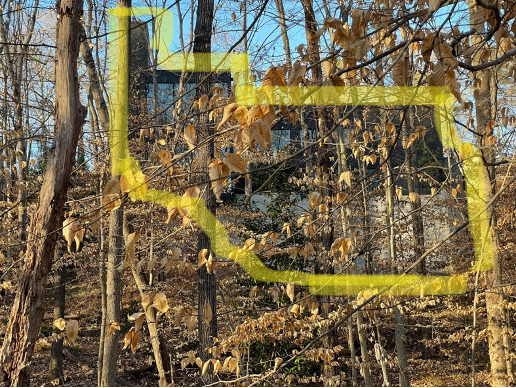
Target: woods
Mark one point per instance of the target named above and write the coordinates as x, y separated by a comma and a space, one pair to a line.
257, 193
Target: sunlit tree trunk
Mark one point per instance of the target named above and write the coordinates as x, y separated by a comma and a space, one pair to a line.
28, 309
494, 299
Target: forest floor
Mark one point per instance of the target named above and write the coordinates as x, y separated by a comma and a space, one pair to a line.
83, 299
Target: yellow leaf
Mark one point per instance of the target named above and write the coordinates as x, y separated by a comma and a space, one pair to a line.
205, 367
291, 291
202, 258
198, 362
399, 192
232, 364
413, 197
208, 314
216, 366
71, 330
346, 177
286, 229
454, 193
60, 323
134, 184
277, 363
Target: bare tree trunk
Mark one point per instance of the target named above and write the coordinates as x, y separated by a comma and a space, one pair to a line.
104, 323
494, 298
206, 282
27, 312
56, 353
115, 252
400, 349
284, 33
325, 230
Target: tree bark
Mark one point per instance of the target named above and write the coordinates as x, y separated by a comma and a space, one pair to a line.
206, 283
400, 349
28, 309
56, 353
322, 170
284, 33
494, 298
115, 252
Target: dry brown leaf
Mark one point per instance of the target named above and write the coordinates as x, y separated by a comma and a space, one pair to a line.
203, 101
400, 71
241, 114
172, 212
138, 319
130, 252
286, 229
228, 112
135, 338
111, 194
314, 199
208, 314
235, 162
113, 326
160, 302
260, 131
148, 299
165, 157
346, 177
128, 338
190, 136
233, 364
297, 73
